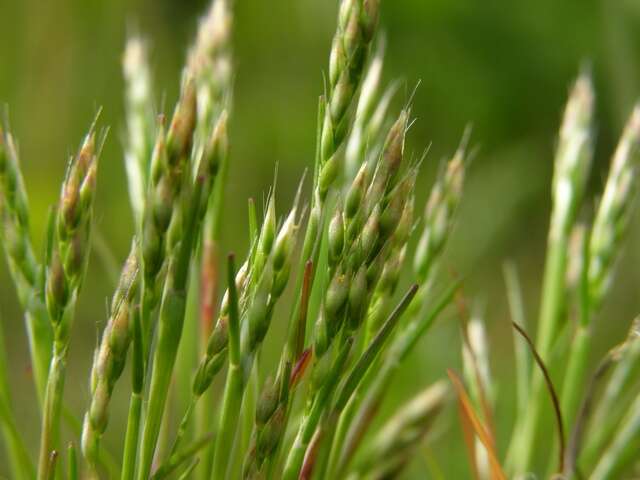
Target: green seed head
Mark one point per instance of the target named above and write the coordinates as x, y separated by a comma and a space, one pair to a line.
336, 237
163, 202
218, 145
57, 289
336, 295
280, 280
389, 164
356, 192
268, 230
258, 313
242, 278
268, 401
611, 219
358, 298
439, 214
321, 368
74, 254
403, 230
375, 267
394, 145
159, 162
328, 173
89, 441
321, 335
270, 435
284, 243
219, 337
78, 187
129, 280
391, 215
391, 271
369, 18
99, 412
120, 332
207, 370
370, 234
180, 134
573, 157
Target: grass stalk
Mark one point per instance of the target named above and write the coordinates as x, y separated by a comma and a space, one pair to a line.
623, 449
523, 361
233, 388
572, 163
72, 462
135, 401
611, 406
49, 437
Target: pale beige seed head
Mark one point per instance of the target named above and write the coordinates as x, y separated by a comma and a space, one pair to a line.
612, 215
573, 156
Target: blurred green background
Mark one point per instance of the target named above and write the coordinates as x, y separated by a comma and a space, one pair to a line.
505, 67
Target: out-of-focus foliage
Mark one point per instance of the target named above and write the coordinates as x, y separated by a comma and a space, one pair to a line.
502, 66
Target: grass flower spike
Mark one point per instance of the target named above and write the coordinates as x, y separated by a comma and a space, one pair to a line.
110, 357
25, 269
69, 245
140, 122
296, 370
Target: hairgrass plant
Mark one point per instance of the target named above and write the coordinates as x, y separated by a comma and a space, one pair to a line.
345, 253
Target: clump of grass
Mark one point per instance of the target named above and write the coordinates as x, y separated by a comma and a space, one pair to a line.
352, 321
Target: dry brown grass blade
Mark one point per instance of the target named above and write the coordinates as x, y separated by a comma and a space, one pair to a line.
479, 429
552, 392
469, 439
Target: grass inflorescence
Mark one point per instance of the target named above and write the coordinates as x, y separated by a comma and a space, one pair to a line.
353, 319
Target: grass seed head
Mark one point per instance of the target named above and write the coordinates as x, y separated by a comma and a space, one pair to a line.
268, 230
573, 156
140, 121
358, 293
612, 215
258, 312
268, 401
336, 237
349, 52
336, 295
439, 214
356, 192
57, 293
111, 354
389, 163
183, 123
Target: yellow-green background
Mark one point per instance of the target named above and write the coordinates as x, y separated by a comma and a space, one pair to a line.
503, 66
